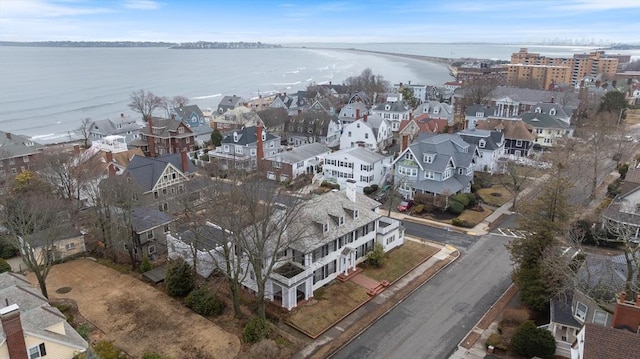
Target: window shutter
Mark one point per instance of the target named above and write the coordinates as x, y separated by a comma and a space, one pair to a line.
43, 350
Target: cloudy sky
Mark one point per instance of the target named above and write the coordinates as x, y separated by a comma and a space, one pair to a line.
291, 21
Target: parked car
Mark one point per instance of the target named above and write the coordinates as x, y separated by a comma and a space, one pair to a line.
405, 205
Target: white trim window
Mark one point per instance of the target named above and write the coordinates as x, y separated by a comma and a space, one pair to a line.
600, 317
581, 311
38, 351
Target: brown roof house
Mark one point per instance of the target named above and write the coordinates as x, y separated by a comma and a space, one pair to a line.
519, 136
17, 153
165, 136
31, 328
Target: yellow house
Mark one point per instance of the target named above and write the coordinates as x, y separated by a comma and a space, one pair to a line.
31, 328
55, 244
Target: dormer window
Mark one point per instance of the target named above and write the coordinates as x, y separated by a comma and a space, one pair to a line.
180, 129
340, 220
235, 137
387, 107
538, 110
356, 213
264, 136
428, 157
479, 114
325, 228
552, 112
481, 144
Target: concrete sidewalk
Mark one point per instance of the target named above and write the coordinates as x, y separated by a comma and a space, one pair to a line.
362, 318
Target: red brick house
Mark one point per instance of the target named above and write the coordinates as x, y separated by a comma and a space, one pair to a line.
165, 136
17, 153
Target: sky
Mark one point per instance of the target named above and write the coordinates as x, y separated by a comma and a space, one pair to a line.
301, 21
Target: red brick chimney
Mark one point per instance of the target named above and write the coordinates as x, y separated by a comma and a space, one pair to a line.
76, 150
184, 161
8, 135
626, 314
405, 142
364, 118
110, 166
12, 326
152, 148
260, 153
357, 113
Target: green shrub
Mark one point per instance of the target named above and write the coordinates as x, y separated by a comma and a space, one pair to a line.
255, 330
458, 222
368, 190
531, 341
7, 248
623, 170
204, 302
456, 207
462, 198
179, 278
374, 187
4, 266
145, 265
84, 331
422, 198
493, 340
376, 256
472, 199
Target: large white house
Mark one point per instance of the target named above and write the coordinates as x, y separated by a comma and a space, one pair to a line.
340, 229
363, 166
490, 145
394, 110
351, 112
371, 131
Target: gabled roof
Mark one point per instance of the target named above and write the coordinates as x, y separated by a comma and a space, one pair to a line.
115, 126
360, 97
146, 218
529, 96
486, 111
431, 107
61, 232
300, 153
425, 124
561, 312
36, 314
229, 102
312, 121
396, 106
246, 136
512, 129
185, 111
546, 107
605, 342
169, 128
602, 277
493, 139
12, 145
542, 120
446, 148
352, 107
146, 171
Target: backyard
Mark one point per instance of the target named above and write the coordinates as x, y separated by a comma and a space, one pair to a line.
135, 315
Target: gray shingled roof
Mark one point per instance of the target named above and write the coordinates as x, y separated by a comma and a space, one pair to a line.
561, 313
109, 127
541, 120
35, 312
229, 102
395, 106
319, 209
300, 153
146, 171
41, 238
185, 111
361, 153
311, 120
486, 110
546, 107
12, 145
493, 139
530, 96
169, 128
602, 277
146, 218
446, 147
246, 136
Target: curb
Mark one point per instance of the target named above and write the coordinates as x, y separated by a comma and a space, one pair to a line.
332, 352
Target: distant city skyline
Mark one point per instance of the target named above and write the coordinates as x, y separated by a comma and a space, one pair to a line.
284, 22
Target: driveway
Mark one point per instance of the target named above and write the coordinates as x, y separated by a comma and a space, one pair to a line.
137, 316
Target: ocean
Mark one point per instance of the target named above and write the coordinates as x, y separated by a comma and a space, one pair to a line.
46, 91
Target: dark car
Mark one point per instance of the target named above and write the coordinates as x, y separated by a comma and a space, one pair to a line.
405, 205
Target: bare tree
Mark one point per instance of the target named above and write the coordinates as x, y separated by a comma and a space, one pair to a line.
84, 130
598, 132
145, 102
368, 82
169, 103
32, 216
624, 234
515, 179
477, 90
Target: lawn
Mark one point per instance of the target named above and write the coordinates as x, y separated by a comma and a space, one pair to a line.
400, 260
328, 306
474, 217
496, 195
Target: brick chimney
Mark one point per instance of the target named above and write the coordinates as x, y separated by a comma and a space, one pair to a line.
110, 166
76, 150
152, 148
364, 118
260, 152
626, 314
8, 135
357, 113
405, 143
184, 161
12, 326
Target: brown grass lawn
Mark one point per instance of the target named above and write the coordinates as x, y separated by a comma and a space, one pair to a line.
633, 117
489, 197
400, 260
474, 217
329, 305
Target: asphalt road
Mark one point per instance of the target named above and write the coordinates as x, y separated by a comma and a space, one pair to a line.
458, 240
433, 320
